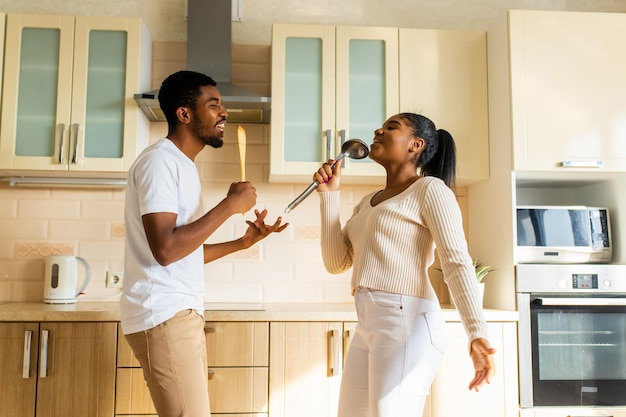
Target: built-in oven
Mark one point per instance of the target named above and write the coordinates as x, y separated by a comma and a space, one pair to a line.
572, 335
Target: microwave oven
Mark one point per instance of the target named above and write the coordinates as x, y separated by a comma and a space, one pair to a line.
563, 234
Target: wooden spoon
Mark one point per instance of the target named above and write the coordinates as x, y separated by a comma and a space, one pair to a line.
241, 142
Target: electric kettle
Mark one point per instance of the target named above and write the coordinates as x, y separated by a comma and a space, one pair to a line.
61, 279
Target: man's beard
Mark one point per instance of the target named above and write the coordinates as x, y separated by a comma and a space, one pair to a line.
212, 141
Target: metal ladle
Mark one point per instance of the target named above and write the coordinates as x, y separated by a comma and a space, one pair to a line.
352, 148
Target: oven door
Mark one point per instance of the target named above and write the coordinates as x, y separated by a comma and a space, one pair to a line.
578, 349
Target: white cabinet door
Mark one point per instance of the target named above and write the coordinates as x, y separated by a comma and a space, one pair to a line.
306, 363
567, 87
497, 399
443, 76
329, 84
68, 82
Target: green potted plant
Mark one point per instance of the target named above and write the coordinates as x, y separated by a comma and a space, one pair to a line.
481, 272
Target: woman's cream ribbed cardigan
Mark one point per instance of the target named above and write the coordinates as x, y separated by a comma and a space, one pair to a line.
391, 245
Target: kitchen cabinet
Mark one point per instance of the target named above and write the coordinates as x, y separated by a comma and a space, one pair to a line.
329, 84
567, 81
306, 360
237, 354
67, 99
57, 369
497, 399
443, 75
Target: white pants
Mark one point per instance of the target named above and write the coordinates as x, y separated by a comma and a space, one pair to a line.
393, 358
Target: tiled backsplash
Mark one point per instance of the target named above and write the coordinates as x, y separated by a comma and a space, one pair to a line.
285, 267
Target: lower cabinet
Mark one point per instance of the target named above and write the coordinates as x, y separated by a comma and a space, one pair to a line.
449, 396
237, 354
306, 359
57, 369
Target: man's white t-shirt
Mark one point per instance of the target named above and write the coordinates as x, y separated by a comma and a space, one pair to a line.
162, 179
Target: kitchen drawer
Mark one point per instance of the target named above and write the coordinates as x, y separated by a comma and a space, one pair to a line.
228, 344
231, 390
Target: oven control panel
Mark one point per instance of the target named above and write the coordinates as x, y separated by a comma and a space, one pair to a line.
584, 281
565, 278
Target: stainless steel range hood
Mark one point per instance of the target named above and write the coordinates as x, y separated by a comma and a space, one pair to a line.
209, 51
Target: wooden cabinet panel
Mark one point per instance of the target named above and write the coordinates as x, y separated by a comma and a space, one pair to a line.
302, 381
237, 354
18, 368
567, 83
72, 366
498, 399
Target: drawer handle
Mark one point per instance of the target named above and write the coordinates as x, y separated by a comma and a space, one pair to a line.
74, 142
347, 337
61, 138
28, 337
43, 360
334, 356
211, 374
210, 327
582, 164
327, 145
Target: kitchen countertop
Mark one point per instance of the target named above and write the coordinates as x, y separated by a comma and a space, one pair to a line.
110, 311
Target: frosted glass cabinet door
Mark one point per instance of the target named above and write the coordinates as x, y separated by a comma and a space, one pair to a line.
367, 88
303, 99
36, 98
106, 65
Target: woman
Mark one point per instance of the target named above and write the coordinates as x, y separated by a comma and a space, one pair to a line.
390, 242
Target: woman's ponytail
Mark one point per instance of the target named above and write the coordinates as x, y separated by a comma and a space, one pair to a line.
443, 163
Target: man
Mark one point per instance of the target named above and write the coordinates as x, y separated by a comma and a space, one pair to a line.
163, 296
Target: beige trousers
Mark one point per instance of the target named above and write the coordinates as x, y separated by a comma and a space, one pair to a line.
174, 362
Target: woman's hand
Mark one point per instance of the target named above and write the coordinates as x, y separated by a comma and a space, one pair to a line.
482, 356
328, 178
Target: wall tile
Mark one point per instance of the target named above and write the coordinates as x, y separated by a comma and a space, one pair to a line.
48, 209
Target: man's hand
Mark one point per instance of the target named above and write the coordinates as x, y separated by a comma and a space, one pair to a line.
258, 230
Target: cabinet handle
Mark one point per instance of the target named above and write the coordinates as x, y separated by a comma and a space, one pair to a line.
346, 342
210, 328
342, 139
582, 164
61, 129
28, 337
43, 356
74, 142
328, 134
334, 357
211, 374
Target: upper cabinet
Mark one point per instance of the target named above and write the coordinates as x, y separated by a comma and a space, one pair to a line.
334, 83
443, 75
567, 82
68, 86
329, 84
